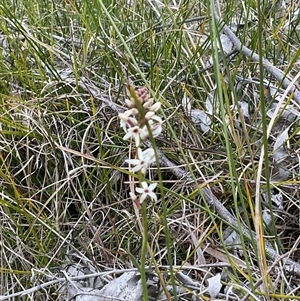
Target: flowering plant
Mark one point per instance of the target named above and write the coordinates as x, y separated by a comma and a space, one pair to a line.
140, 122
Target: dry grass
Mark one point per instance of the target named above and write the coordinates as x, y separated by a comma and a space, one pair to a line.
64, 184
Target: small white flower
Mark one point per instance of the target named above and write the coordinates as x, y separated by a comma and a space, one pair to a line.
137, 134
147, 191
145, 158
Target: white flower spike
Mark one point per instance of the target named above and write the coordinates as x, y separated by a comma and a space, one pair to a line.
147, 191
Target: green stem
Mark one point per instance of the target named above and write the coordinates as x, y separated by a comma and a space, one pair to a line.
144, 251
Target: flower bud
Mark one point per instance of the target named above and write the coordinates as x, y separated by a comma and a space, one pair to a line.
148, 103
135, 111
149, 115
155, 107
129, 103
142, 94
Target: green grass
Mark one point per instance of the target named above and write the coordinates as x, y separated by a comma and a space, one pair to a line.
64, 70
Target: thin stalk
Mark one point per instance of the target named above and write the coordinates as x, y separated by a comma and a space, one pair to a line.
144, 251
263, 158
